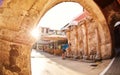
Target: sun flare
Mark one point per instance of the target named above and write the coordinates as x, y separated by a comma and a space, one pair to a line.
35, 33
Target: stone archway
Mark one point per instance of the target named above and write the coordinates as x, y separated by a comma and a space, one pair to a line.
17, 20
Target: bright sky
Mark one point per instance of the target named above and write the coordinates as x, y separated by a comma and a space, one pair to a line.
60, 15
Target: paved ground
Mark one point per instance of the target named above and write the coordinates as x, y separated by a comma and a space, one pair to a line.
46, 64
114, 68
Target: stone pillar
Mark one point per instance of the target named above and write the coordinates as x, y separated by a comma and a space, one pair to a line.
80, 41
37, 45
85, 56
69, 53
76, 41
98, 55
68, 35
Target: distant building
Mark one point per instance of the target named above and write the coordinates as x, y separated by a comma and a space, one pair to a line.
47, 31
77, 20
49, 39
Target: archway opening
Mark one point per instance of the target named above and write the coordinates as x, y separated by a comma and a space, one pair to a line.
53, 20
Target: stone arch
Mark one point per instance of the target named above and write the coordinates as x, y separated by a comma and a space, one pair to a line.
17, 32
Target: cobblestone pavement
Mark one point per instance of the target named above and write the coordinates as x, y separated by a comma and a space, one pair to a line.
46, 64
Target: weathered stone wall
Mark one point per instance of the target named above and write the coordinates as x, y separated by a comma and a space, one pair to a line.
15, 49
16, 21
14, 59
110, 10
112, 15
87, 42
93, 39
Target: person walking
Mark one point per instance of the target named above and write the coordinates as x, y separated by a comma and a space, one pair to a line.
64, 47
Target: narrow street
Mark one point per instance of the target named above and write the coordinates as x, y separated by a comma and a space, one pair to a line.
46, 64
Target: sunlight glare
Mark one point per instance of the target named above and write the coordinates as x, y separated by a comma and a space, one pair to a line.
35, 33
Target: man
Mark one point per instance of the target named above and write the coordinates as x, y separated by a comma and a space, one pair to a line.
64, 47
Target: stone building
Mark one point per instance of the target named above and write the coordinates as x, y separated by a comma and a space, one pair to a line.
83, 35
19, 17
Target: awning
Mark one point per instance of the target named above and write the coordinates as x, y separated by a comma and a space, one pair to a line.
43, 42
54, 37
